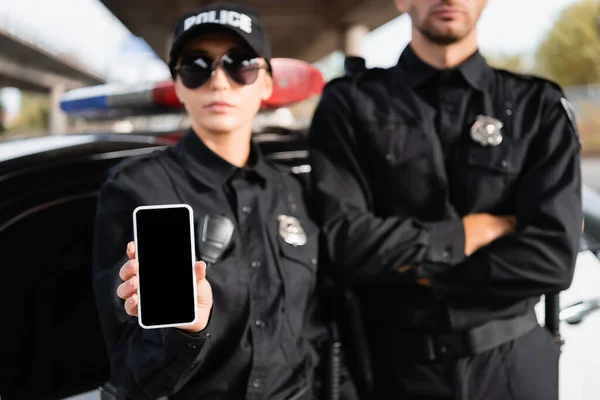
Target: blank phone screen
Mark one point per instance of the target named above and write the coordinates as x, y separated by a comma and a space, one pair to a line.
166, 280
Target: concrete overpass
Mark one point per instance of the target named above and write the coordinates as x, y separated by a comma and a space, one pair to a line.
304, 29
28, 67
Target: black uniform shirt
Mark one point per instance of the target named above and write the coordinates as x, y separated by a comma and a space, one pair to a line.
395, 169
261, 340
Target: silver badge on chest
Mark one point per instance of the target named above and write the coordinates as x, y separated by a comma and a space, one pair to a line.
487, 131
291, 230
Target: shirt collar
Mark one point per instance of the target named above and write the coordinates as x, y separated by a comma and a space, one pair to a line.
415, 71
212, 170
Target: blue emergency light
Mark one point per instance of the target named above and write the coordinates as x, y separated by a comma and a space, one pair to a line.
112, 99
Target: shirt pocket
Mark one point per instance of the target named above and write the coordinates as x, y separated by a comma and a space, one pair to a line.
403, 164
298, 266
489, 175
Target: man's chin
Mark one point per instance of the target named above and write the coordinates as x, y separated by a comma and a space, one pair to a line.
444, 36
445, 39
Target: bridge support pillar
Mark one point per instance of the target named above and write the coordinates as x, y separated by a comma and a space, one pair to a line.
58, 119
353, 39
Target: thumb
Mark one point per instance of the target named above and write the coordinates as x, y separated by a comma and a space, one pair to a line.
200, 267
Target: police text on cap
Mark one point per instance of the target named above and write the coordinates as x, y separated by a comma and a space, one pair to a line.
233, 18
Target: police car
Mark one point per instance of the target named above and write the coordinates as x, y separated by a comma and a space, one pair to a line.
51, 341
580, 324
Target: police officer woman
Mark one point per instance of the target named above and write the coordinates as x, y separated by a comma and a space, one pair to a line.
260, 334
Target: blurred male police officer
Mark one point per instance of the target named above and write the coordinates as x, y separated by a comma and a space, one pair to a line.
419, 169
260, 335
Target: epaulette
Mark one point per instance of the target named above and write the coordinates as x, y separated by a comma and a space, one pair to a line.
281, 167
295, 165
569, 109
337, 81
550, 82
132, 162
373, 73
359, 77
531, 78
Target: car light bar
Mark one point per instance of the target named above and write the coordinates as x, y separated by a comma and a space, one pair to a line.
293, 82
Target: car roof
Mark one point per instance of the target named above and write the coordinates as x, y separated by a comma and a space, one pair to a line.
23, 152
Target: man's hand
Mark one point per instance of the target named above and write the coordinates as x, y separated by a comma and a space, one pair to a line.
482, 229
128, 290
421, 281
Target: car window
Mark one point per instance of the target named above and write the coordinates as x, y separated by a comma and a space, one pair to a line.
53, 341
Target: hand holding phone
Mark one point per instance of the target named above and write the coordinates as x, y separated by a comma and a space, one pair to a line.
128, 290
163, 285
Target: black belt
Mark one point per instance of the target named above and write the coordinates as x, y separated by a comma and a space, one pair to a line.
438, 346
110, 391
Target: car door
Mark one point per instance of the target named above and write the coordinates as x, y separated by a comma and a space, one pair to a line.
51, 343
580, 358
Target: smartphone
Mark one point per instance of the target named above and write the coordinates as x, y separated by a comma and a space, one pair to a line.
165, 252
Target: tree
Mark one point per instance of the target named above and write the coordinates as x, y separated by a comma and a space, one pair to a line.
570, 55
34, 115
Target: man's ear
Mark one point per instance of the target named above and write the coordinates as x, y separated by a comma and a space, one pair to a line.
401, 6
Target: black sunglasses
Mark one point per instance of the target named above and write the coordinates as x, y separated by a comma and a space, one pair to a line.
241, 67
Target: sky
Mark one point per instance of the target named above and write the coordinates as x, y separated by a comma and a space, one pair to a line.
88, 31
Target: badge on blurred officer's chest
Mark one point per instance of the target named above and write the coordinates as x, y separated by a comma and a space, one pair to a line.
487, 131
291, 230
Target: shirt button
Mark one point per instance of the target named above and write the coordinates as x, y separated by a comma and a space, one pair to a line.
255, 264
445, 254
313, 261
258, 323
246, 209
255, 383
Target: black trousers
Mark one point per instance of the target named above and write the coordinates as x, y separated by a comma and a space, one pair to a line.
523, 369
